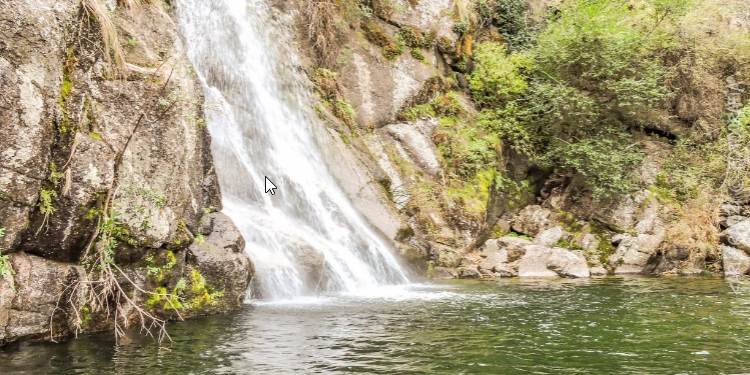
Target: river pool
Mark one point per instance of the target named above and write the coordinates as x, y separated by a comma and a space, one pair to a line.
597, 326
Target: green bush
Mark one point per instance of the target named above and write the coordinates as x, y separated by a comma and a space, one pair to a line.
511, 21
498, 76
571, 101
606, 48
603, 162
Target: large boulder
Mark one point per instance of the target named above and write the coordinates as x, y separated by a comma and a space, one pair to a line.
738, 235
633, 253
311, 264
444, 273
501, 255
533, 219
470, 272
735, 262
567, 263
542, 261
534, 262
549, 237
495, 260
516, 247
222, 262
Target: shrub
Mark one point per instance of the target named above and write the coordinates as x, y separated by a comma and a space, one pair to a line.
499, 76
511, 21
570, 101
605, 47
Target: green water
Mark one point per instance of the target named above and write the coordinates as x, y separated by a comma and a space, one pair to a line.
598, 326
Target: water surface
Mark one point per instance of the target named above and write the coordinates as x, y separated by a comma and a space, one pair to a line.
598, 326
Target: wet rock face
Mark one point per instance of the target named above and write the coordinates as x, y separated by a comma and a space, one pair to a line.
414, 144
67, 115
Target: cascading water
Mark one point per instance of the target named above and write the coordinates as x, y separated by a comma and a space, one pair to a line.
307, 238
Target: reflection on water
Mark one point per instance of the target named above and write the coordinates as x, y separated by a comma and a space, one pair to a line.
612, 325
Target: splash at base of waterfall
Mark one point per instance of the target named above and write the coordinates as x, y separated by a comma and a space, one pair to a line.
307, 239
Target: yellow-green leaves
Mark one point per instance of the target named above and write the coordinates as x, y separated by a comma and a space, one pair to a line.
499, 76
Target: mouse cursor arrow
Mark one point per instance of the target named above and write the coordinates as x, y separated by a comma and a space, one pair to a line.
270, 187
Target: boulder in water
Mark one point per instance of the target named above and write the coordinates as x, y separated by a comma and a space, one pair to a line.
38, 288
222, 264
534, 262
471, 272
735, 262
311, 264
567, 263
633, 253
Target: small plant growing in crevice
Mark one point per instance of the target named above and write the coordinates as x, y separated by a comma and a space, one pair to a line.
5, 269
391, 49
46, 206
328, 88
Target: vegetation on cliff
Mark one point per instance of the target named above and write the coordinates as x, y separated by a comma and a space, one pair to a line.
578, 96
621, 98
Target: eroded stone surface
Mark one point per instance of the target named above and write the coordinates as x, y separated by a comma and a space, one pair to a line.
735, 262
633, 253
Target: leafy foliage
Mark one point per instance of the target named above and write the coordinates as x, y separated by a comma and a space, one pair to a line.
571, 101
511, 21
5, 269
499, 76
446, 105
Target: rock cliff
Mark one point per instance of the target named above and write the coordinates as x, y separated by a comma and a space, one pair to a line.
104, 154
399, 88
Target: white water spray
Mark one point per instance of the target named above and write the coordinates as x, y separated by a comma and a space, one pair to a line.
307, 238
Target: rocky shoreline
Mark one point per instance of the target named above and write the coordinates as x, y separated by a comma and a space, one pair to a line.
556, 252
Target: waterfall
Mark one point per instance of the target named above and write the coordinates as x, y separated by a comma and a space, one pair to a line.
307, 238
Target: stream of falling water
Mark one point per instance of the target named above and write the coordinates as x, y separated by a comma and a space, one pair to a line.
307, 239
